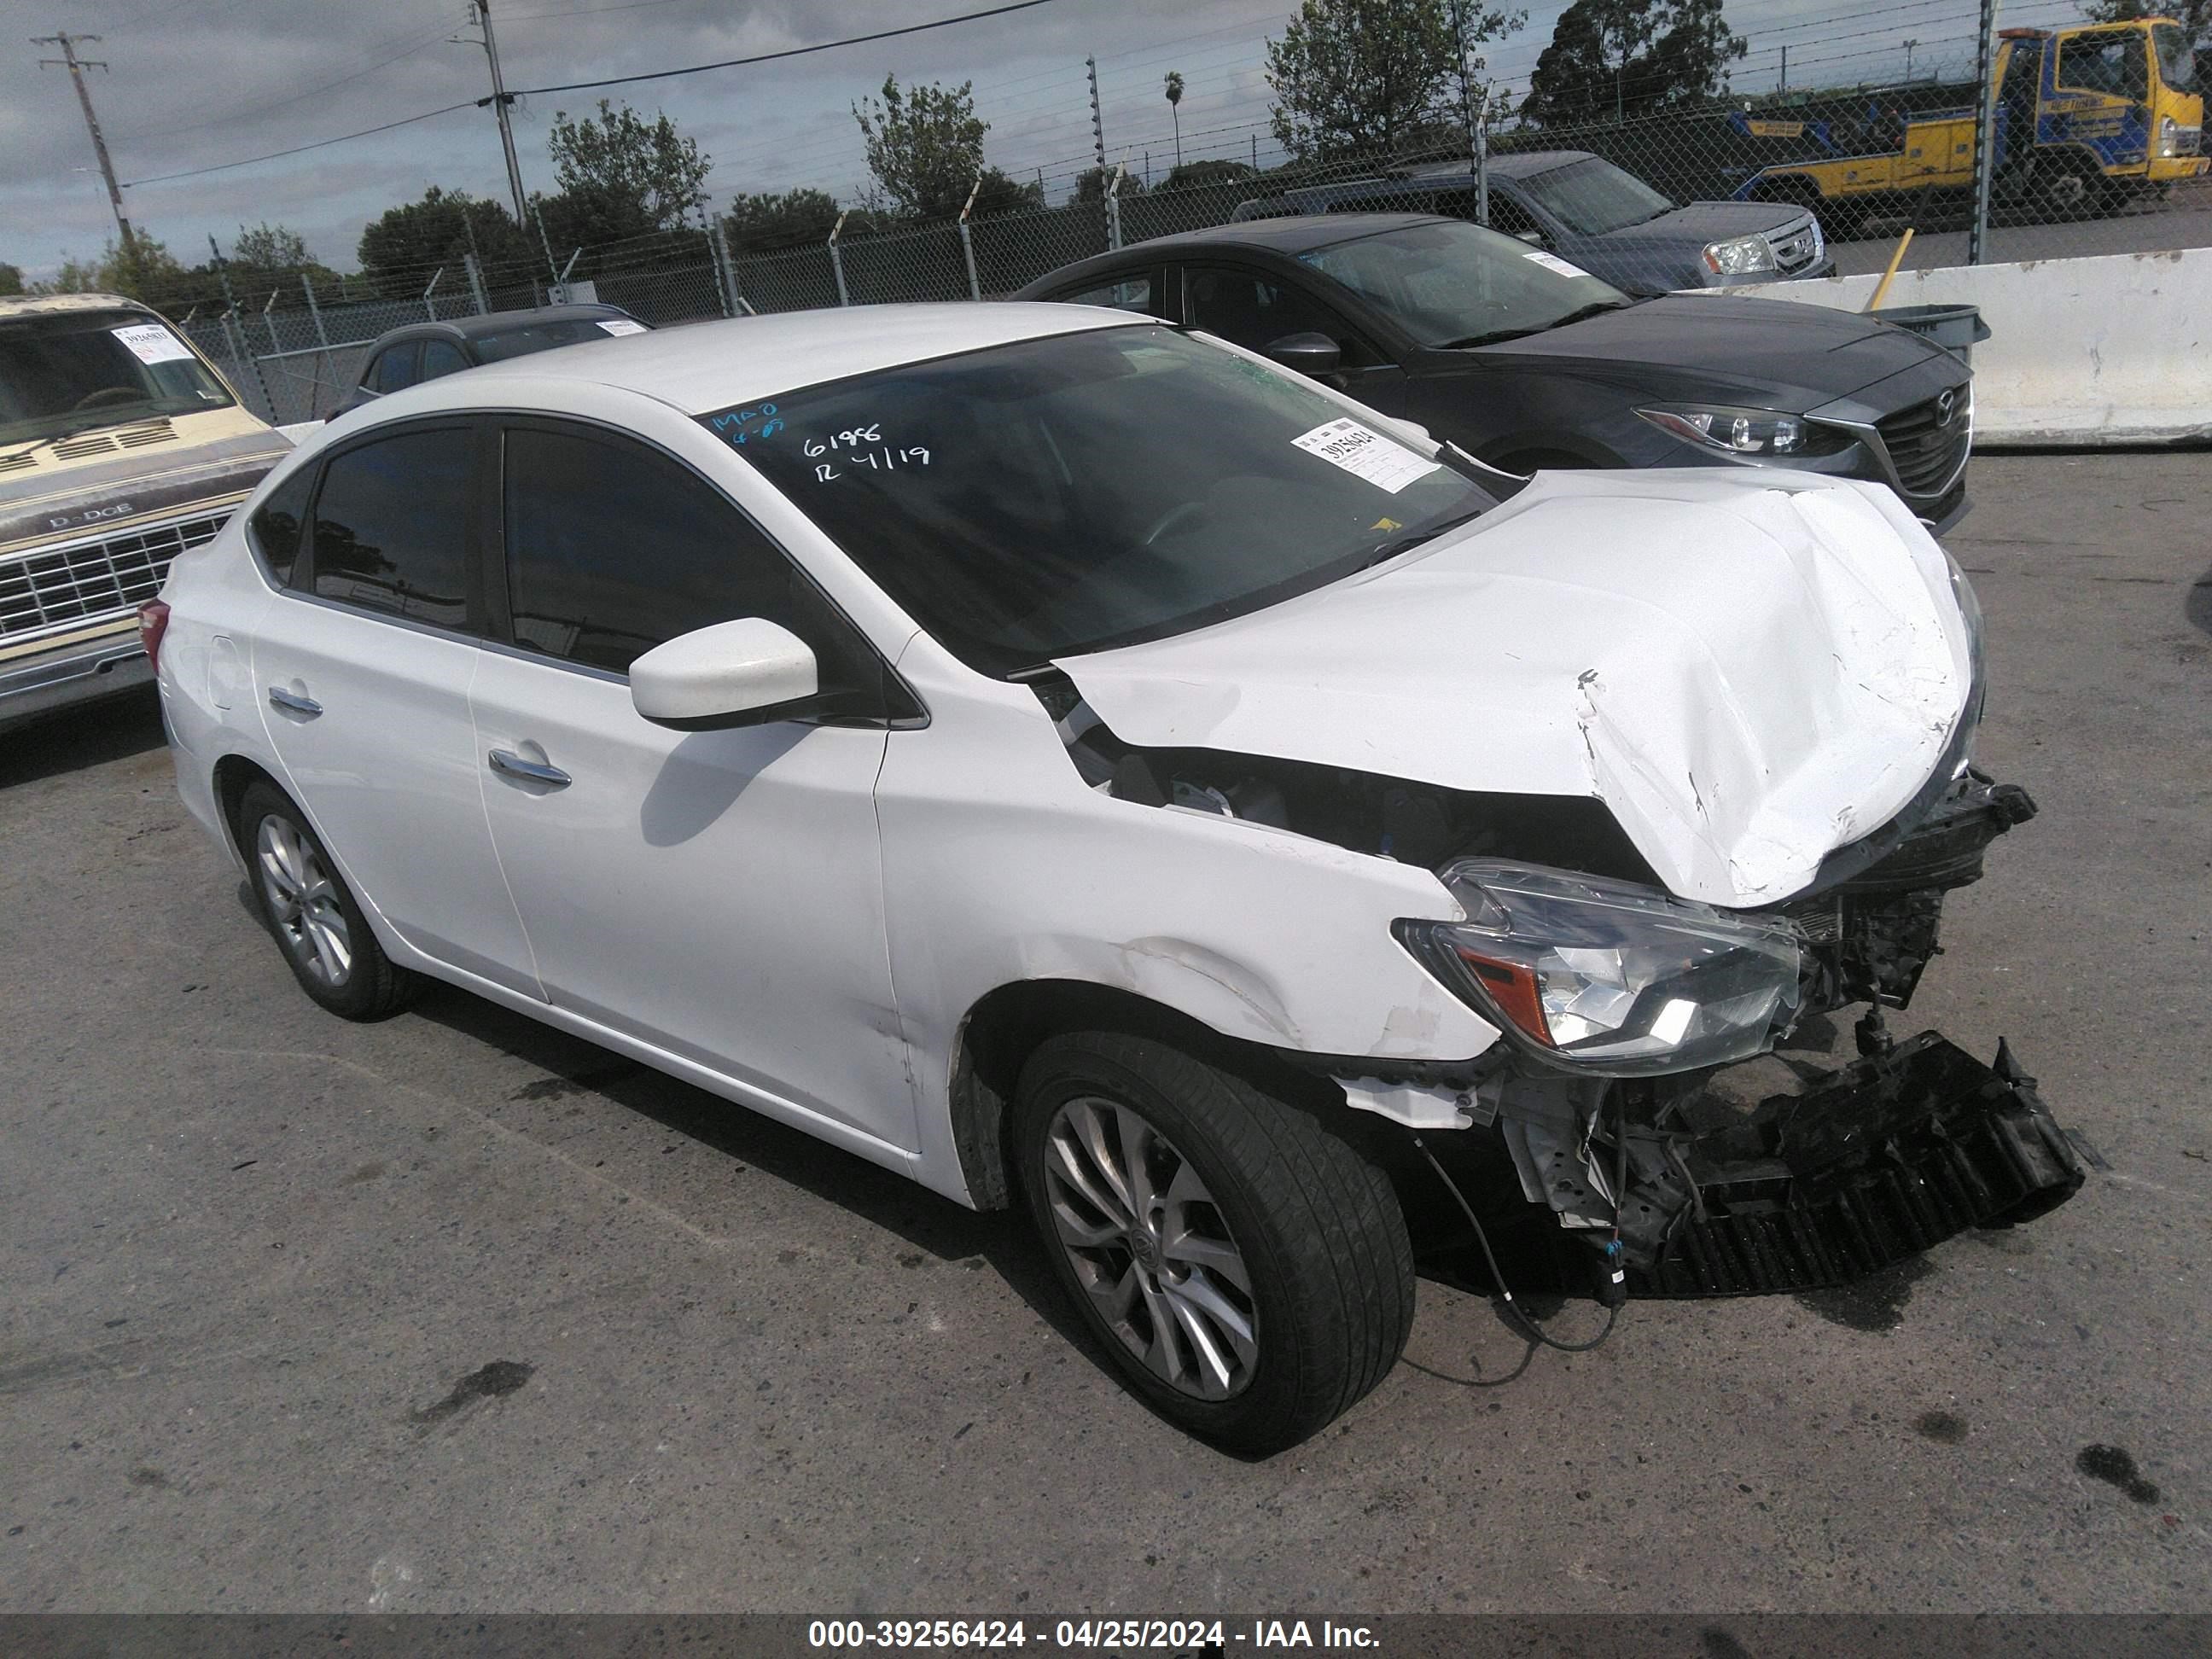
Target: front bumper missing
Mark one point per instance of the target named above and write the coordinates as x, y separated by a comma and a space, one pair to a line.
1875, 1163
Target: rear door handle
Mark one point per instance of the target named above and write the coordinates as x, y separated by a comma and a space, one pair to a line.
507, 761
279, 697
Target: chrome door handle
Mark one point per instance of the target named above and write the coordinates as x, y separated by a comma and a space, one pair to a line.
507, 761
280, 698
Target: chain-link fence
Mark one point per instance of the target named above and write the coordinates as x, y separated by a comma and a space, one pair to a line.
2029, 145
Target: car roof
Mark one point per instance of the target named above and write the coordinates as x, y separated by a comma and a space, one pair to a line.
709, 365
476, 326
41, 305
1291, 234
1439, 176
1511, 164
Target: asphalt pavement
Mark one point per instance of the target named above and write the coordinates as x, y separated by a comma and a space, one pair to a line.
456, 1312
2181, 220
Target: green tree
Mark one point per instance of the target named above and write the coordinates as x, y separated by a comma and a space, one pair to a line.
1195, 176
1091, 184
1619, 57
274, 257
1000, 195
401, 247
925, 145
620, 169
1362, 76
768, 219
1175, 110
11, 279
2194, 16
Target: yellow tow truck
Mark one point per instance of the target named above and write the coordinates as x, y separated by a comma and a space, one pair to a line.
2087, 120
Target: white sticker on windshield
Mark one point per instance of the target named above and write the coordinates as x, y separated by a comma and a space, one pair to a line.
152, 343
621, 326
1553, 264
1365, 455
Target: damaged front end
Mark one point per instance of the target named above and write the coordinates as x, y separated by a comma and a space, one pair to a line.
1641, 1091
1697, 1178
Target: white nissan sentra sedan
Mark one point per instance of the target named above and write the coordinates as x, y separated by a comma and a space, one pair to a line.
1080, 764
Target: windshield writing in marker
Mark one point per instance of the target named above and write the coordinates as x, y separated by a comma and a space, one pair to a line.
747, 425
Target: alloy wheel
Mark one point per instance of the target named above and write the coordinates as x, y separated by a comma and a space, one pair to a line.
303, 902
1151, 1248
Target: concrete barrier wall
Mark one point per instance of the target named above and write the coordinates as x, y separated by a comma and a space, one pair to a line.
2111, 349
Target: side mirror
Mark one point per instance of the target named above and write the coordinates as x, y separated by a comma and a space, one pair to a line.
1310, 354
745, 672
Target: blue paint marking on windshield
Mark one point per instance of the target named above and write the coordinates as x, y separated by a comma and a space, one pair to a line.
740, 426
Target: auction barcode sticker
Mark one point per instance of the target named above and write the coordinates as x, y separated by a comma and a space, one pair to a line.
1553, 264
1365, 455
152, 343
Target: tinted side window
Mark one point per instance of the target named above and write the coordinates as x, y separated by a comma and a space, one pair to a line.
1508, 215
276, 524
441, 358
392, 526
612, 549
395, 369
1130, 293
1252, 311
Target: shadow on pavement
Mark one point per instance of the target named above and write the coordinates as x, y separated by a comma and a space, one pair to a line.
921, 1218
2197, 607
79, 738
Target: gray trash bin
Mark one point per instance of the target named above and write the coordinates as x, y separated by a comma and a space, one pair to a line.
1955, 328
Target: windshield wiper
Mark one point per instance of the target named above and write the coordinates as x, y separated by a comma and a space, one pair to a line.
1496, 335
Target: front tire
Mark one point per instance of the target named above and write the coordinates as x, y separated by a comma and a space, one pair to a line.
313, 917
1248, 1273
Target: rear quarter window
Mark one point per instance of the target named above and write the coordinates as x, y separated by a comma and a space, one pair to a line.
276, 526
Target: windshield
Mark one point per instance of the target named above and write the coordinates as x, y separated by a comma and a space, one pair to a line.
71, 371
1062, 496
520, 342
1454, 284
2177, 65
1593, 197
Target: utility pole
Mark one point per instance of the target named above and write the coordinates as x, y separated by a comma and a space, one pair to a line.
1097, 122
480, 14
1785, 68
1909, 45
1985, 136
76, 66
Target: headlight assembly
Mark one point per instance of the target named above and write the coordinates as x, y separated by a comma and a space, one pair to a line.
1607, 976
1739, 256
1746, 431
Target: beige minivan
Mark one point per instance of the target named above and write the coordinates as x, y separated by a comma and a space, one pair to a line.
121, 447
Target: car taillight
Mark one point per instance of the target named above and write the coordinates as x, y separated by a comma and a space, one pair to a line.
153, 623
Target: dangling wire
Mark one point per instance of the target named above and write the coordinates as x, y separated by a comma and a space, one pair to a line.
1534, 1331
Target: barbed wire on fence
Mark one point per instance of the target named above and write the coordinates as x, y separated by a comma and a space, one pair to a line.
1868, 159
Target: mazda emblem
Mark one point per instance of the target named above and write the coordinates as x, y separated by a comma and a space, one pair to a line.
1943, 409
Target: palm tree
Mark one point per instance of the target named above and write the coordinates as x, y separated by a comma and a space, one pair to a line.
1174, 97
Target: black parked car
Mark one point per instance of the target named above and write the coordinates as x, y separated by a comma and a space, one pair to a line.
427, 351
1585, 209
1526, 361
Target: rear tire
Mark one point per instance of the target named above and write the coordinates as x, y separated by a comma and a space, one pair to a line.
1248, 1273
313, 917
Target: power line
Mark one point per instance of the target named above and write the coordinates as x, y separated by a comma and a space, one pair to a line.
301, 149
789, 52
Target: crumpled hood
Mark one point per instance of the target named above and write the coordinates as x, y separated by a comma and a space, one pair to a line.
1750, 669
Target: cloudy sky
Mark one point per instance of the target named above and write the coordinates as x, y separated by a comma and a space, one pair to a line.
197, 84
